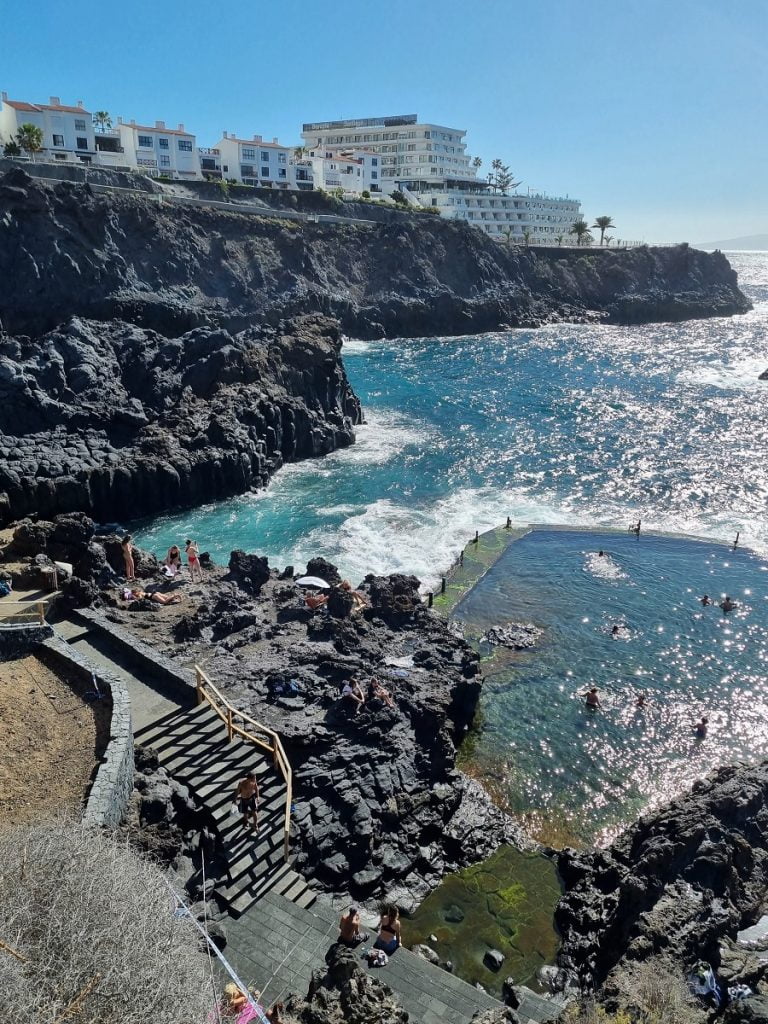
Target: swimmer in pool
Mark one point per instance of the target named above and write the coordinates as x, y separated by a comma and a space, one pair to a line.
591, 699
701, 728
601, 554
616, 629
641, 701
727, 604
705, 600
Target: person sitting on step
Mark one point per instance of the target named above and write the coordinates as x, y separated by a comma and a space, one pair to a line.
349, 928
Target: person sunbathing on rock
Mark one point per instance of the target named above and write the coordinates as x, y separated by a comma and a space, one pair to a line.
156, 596
389, 931
172, 563
361, 601
315, 601
349, 928
378, 692
353, 694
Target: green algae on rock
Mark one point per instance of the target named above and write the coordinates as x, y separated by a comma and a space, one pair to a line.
504, 903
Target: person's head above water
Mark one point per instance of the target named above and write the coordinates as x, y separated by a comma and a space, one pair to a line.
615, 628
600, 553
593, 689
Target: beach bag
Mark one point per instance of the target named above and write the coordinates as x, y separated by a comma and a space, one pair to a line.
377, 958
5, 588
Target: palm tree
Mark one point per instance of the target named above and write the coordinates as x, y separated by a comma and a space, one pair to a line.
102, 120
298, 153
30, 138
608, 240
477, 163
603, 223
580, 228
559, 239
527, 236
12, 148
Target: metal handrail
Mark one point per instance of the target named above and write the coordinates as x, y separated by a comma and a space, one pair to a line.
206, 691
37, 606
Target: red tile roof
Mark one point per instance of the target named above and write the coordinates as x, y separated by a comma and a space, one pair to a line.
147, 128
39, 107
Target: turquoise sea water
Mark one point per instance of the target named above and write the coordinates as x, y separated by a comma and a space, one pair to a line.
567, 424
577, 424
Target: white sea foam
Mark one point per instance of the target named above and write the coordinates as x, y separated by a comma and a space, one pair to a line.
604, 567
737, 376
355, 347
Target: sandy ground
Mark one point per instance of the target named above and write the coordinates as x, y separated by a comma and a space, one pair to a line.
51, 737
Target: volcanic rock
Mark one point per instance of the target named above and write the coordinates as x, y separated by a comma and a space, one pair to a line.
677, 883
517, 635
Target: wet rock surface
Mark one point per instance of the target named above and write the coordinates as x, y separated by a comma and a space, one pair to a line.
679, 884
517, 635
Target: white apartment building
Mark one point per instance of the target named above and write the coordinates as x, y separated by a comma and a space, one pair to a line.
356, 171
67, 130
256, 162
159, 150
517, 218
409, 149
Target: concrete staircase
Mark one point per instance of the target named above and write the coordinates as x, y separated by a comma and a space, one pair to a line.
192, 746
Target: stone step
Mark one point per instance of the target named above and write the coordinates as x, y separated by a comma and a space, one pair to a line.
283, 882
70, 630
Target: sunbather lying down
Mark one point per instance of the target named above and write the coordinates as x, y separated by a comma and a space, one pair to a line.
156, 596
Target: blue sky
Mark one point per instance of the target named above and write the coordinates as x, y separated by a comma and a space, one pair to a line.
652, 111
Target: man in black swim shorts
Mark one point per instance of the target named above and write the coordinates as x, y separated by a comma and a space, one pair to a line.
247, 799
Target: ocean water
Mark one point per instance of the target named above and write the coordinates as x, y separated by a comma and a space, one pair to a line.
566, 424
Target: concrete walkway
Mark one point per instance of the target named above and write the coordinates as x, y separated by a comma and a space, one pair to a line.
276, 945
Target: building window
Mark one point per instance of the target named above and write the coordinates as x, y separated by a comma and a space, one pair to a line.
265, 172
246, 170
145, 141
374, 175
281, 158
79, 126
162, 143
58, 140
249, 153
207, 164
281, 172
185, 145
165, 160
82, 143
374, 161
264, 157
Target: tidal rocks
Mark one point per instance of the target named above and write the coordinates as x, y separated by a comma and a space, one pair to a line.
675, 884
250, 572
493, 959
517, 635
763, 375
117, 421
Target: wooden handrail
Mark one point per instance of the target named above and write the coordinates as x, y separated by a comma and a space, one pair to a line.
206, 691
36, 609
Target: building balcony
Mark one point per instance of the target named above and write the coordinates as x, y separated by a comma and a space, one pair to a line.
207, 151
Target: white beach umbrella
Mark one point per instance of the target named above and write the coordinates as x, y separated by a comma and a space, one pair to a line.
313, 581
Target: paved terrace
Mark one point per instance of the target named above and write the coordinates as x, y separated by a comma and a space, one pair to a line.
276, 945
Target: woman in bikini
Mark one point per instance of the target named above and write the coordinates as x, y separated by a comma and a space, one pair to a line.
130, 569
193, 557
389, 931
156, 596
173, 561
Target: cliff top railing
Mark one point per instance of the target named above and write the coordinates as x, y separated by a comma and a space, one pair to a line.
252, 731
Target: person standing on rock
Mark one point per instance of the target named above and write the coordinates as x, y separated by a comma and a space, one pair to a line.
247, 800
130, 569
193, 557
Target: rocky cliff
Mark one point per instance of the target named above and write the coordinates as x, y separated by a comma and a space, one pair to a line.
120, 421
65, 251
677, 886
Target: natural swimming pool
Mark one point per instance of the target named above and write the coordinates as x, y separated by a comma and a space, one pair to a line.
576, 775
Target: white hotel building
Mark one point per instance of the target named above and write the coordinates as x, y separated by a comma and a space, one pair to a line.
429, 163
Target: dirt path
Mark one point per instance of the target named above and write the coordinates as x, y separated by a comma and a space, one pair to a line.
51, 740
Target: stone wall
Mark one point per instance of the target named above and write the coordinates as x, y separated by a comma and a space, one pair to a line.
111, 788
18, 640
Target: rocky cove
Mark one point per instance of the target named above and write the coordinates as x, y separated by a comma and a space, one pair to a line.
155, 358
